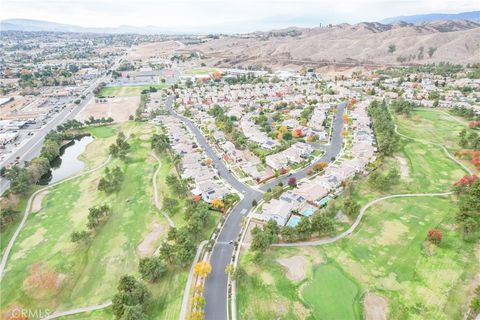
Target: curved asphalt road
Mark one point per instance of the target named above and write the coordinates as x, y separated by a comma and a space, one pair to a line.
216, 284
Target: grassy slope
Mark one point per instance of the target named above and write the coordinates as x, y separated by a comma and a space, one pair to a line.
388, 253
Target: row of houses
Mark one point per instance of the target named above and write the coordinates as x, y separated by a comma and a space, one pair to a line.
297, 153
197, 168
311, 194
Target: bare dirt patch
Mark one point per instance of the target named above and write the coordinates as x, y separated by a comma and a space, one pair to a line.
37, 201
392, 232
403, 166
118, 108
42, 281
152, 50
375, 307
295, 267
147, 246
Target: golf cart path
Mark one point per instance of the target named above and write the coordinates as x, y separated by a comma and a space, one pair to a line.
155, 191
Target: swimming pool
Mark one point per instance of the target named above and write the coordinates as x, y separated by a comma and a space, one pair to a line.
293, 221
307, 212
323, 201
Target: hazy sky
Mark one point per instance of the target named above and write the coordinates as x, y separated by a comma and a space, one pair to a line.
222, 15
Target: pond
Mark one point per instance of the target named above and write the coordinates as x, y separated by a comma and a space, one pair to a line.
67, 164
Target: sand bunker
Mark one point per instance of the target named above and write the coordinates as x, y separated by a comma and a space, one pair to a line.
147, 247
375, 307
295, 267
37, 201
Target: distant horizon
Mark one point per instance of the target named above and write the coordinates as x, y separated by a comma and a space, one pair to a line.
222, 16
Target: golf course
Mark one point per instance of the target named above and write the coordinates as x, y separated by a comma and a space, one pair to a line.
386, 266
46, 270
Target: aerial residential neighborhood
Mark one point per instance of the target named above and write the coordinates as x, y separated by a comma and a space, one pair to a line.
240, 161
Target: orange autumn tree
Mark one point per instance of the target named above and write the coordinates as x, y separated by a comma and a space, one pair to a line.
217, 203
202, 269
345, 118
297, 133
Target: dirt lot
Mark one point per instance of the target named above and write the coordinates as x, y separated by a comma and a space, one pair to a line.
117, 108
152, 50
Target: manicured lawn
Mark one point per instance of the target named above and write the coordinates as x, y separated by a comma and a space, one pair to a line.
198, 71
128, 91
102, 132
332, 295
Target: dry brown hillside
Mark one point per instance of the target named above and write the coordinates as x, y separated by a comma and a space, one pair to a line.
359, 44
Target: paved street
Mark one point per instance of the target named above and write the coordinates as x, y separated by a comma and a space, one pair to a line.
216, 284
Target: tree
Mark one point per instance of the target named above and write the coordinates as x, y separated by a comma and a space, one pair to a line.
7, 216
319, 166
160, 143
260, 242
202, 269
392, 48
217, 203
167, 252
288, 234
196, 315
170, 204
133, 313
111, 181
322, 223
151, 268
351, 207
303, 228
131, 293
80, 236
120, 148
97, 215
435, 236
292, 182
19, 179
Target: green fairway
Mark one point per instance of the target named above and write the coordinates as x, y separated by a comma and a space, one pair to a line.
102, 132
128, 91
430, 125
332, 295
